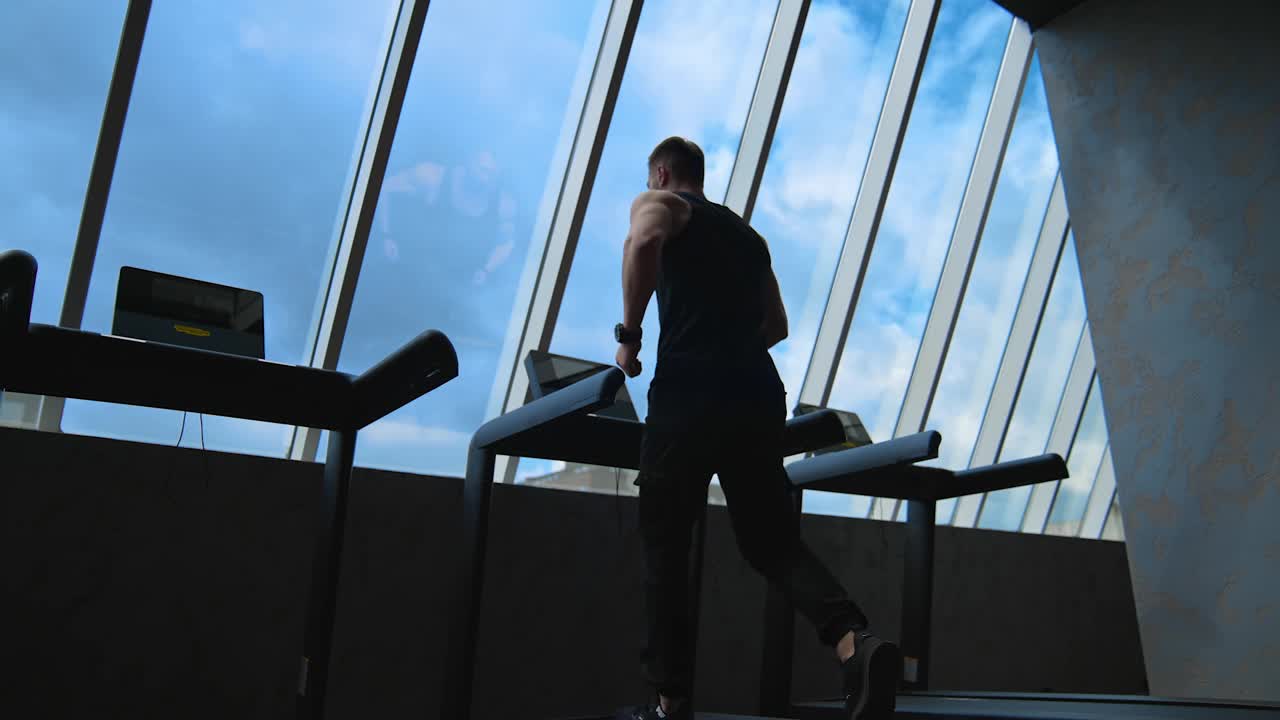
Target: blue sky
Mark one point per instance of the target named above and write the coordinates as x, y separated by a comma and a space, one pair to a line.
240, 143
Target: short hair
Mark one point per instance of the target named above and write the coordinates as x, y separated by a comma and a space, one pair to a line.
682, 157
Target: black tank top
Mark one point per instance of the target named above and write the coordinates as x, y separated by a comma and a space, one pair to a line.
711, 353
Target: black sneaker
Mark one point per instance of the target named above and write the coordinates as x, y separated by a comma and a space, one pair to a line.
650, 712
871, 678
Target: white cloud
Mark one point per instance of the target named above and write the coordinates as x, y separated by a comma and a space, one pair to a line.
719, 166
873, 376
348, 40
389, 431
252, 36
679, 62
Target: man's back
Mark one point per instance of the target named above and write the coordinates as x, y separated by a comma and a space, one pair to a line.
713, 358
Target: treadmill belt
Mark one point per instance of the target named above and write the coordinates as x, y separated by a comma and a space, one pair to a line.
697, 716
1054, 707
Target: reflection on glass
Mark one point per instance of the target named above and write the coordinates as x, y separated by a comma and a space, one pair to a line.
1042, 387
924, 199
995, 283
488, 116
815, 169
1082, 464
234, 163
55, 66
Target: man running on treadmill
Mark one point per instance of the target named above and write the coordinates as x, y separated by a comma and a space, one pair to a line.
717, 406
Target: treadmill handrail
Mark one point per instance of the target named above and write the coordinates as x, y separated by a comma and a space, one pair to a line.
898, 451
812, 431
17, 290
587, 395
1007, 474
415, 369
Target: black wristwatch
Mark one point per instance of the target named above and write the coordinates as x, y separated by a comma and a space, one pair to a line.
625, 336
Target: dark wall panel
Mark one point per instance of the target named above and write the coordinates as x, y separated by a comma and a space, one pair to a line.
154, 582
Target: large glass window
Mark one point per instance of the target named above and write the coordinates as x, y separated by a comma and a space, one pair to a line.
815, 169
1114, 527
490, 110
692, 71
721, 45
996, 281
55, 68
1043, 383
924, 199
1082, 464
235, 161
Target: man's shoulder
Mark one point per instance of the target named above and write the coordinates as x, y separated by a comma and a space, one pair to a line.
675, 209
664, 198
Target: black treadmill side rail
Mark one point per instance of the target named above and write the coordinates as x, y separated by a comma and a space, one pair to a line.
61, 362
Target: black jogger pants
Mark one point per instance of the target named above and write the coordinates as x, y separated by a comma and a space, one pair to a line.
675, 469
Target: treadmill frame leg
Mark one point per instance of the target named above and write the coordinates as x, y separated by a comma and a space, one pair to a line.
917, 594
326, 569
460, 658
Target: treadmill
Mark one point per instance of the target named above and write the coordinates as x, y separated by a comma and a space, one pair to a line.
579, 414
179, 375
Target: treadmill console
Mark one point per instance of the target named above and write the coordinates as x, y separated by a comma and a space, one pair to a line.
549, 372
855, 434
192, 313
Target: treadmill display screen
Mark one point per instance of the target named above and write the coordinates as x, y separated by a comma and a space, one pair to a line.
548, 373
192, 313
855, 435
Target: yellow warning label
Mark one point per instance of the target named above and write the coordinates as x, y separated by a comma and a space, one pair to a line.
188, 330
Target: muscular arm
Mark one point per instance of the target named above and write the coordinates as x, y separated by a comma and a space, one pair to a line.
655, 217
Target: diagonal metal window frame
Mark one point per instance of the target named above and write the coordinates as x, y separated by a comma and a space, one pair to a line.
1093, 475
541, 298
1062, 436
1018, 348
965, 239
98, 190
370, 166
1100, 497
766, 106
868, 207
1113, 513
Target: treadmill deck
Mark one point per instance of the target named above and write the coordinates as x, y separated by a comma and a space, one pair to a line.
1034, 706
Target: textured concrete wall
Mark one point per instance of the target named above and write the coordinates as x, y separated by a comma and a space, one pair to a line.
152, 582
1167, 115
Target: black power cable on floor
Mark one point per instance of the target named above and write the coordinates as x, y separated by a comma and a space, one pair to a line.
617, 504
204, 454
